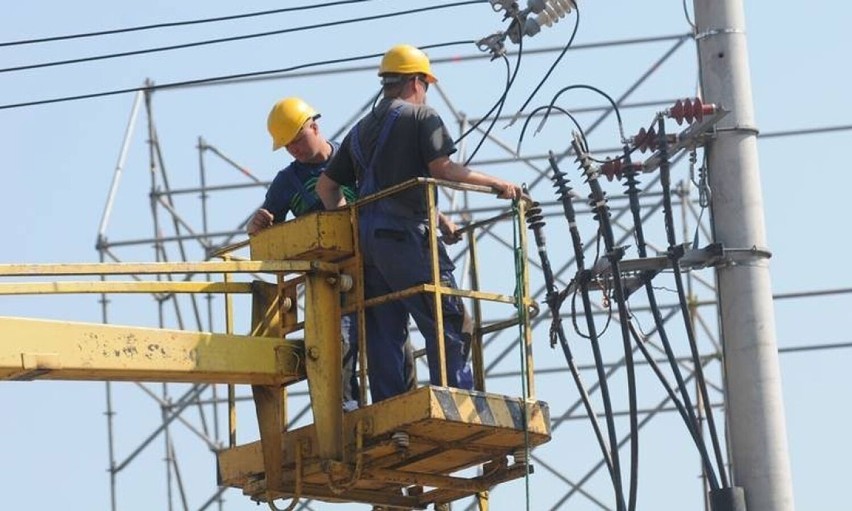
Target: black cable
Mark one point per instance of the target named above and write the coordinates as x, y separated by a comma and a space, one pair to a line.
594, 89
176, 23
674, 256
552, 66
582, 279
536, 224
235, 38
510, 79
614, 254
549, 107
686, 408
215, 79
499, 105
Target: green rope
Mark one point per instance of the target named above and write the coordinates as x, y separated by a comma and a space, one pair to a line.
518, 223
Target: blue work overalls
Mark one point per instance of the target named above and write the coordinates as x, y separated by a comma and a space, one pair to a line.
395, 248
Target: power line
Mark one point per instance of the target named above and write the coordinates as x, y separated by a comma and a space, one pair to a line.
235, 38
175, 23
174, 85
269, 75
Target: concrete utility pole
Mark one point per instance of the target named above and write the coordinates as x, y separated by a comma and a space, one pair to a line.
757, 431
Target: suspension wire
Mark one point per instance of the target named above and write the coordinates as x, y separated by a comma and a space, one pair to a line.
557, 332
674, 257
175, 23
497, 105
591, 88
582, 282
549, 108
214, 79
500, 102
520, 277
686, 408
552, 66
236, 38
510, 79
614, 255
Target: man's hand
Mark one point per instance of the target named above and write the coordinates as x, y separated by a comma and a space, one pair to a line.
507, 190
260, 221
448, 229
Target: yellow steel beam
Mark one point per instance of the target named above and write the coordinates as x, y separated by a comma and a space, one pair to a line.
58, 350
79, 287
30, 270
324, 360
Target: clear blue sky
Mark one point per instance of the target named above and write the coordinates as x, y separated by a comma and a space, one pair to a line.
58, 161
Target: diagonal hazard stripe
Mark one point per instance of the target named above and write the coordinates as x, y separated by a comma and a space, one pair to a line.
477, 408
448, 405
483, 408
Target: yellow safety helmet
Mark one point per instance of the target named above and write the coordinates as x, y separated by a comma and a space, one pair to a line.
286, 119
405, 59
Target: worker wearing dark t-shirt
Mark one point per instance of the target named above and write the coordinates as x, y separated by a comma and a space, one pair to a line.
403, 138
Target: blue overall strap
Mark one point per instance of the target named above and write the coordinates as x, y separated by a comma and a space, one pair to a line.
368, 183
309, 197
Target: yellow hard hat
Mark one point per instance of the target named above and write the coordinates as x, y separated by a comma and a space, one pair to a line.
405, 59
286, 119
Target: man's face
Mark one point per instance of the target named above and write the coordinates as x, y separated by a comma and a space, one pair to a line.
307, 146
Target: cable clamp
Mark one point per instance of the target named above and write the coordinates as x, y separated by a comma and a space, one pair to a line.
718, 31
744, 256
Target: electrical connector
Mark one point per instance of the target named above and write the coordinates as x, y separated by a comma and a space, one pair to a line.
547, 12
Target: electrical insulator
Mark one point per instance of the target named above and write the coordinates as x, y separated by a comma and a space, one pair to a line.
547, 13
645, 139
615, 169
611, 169
690, 110
649, 139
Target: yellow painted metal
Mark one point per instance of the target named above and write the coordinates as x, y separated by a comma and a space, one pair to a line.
67, 287
325, 236
58, 350
437, 303
323, 360
232, 394
266, 310
341, 457
269, 400
477, 360
525, 293
31, 270
449, 430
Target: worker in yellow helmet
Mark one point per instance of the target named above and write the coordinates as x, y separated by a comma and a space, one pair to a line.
292, 124
403, 138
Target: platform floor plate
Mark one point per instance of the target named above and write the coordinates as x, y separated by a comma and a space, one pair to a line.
459, 442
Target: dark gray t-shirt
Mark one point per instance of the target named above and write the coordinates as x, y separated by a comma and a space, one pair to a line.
418, 137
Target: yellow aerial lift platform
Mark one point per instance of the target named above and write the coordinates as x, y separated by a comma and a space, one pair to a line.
432, 445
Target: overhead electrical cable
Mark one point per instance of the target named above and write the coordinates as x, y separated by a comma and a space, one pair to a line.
552, 66
237, 38
176, 23
224, 78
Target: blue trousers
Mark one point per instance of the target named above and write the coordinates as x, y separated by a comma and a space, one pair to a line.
349, 337
396, 256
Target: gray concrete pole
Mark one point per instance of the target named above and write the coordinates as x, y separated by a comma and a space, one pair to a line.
755, 407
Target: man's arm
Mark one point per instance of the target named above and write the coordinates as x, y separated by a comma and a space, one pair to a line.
444, 168
329, 191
